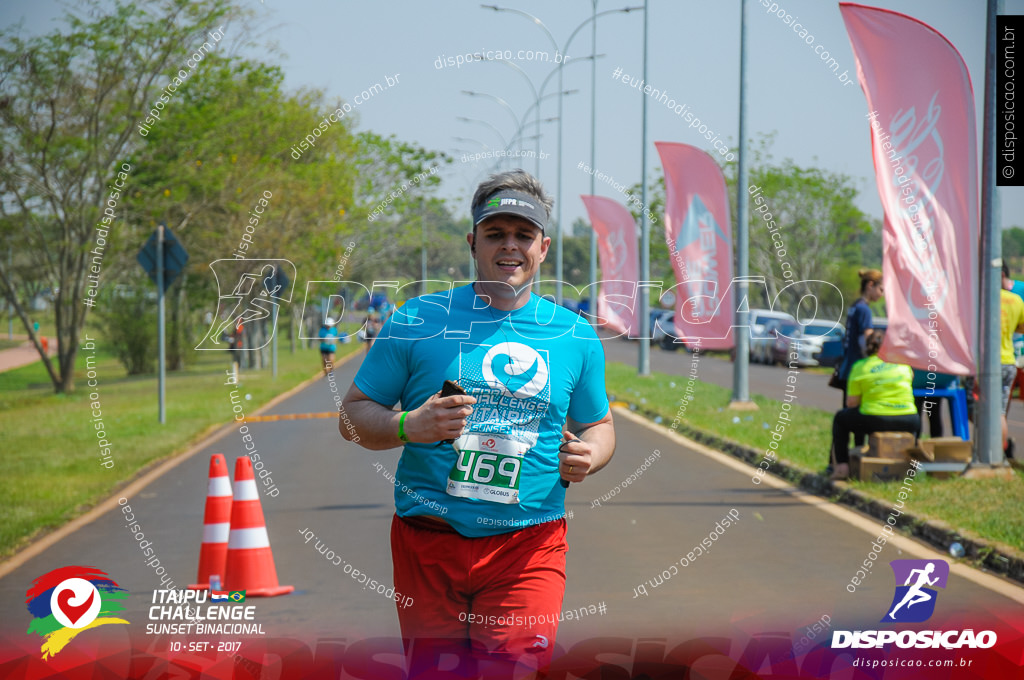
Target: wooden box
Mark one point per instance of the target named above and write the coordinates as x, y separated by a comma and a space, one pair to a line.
882, 469
890, 444
948, 449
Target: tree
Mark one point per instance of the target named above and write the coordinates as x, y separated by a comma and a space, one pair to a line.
226, 152
393, 199
126, 318
803, 220
1013, 242
68, 131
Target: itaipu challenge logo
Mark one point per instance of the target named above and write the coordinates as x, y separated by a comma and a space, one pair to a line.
70, 600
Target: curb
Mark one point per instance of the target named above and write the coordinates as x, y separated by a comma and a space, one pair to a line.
980, 553
143, 478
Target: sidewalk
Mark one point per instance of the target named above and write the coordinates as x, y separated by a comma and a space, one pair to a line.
23, 355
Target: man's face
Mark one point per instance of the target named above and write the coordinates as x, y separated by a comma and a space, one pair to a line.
508, 249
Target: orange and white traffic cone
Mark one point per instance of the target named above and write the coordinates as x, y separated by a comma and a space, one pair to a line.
250, 563
216, 524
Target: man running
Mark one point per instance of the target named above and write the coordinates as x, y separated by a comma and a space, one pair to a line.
328, 344
478, 539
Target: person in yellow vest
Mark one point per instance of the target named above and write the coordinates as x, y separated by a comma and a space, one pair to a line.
879, 398
1011, 314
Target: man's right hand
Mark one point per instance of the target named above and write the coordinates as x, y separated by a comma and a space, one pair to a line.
439, 418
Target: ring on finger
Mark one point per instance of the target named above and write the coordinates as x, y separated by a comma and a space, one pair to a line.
570, 469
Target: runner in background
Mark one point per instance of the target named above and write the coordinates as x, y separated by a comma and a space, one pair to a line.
328, 338
371, 327
235, 344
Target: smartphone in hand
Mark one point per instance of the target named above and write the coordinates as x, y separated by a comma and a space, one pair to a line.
448, 389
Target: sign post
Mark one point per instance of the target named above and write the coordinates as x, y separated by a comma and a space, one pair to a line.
163, 258
162, 347
279, 283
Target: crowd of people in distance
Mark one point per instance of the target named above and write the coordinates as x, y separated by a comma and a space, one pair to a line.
878, 396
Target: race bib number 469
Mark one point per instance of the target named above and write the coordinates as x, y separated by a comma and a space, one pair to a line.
487, 468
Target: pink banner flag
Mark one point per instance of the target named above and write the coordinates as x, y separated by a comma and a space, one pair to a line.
617, 247
700, 244
923, 139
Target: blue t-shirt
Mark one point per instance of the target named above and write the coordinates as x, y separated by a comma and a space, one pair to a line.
527, 368
1018, 290
327, 336
858, 320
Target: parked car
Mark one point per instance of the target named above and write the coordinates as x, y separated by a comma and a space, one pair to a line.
771, 345
812, 339
663, 330
759, 318
831, 352
782, 337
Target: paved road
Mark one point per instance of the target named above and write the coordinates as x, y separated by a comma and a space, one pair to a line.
782, 566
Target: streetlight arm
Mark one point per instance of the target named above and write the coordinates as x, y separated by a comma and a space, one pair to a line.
508, 107
554, 43
558, 68
484, 122
518, 68
621, 10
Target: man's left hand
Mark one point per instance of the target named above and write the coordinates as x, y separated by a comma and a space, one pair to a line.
574, 458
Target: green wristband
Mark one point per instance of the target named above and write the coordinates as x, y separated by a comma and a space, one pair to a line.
401, 427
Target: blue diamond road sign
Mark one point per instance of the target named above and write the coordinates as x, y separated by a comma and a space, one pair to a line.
175, 257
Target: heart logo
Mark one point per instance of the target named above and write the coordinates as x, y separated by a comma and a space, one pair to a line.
74, 613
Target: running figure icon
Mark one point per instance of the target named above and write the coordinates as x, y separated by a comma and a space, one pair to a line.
915, 595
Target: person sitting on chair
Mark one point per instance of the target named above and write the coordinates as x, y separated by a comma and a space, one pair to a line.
879, 398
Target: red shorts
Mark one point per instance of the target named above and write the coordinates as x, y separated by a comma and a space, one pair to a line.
499, 596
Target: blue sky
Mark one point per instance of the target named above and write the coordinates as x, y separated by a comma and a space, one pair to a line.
346, 47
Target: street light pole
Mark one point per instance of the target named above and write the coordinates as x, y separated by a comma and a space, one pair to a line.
593, 158
741, 366
644, 358
988, 451
561, 65
423, 252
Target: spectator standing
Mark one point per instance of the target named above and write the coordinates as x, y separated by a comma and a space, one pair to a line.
859, 321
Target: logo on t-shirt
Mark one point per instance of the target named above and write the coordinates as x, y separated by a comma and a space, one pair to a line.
515, 369
512, 385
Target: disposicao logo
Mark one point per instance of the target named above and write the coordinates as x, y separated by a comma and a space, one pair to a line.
923, 573
69, 600
914, 602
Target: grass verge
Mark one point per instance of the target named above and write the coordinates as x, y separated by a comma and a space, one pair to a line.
52, 461
990, 509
